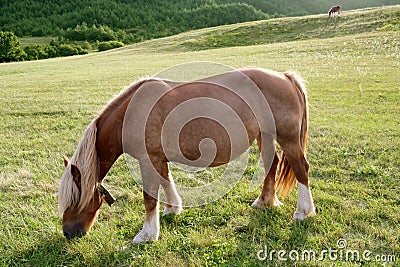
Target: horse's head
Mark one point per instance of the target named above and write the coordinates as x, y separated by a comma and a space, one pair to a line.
78, 204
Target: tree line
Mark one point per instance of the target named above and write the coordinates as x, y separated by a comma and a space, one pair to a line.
82, 25
143, 19
151, 19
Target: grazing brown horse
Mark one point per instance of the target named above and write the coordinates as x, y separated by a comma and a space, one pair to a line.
333, 10
270, 105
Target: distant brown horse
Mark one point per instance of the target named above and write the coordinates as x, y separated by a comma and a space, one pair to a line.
333, 10
124, 126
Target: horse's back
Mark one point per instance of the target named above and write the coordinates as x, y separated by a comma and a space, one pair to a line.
222, 114
277, 87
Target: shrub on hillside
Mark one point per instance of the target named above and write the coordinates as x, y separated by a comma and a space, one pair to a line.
83, 32
64, 50
103, 46
10, 48
43, 51
40, 51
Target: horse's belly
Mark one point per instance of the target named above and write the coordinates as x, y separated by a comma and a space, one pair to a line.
204, 142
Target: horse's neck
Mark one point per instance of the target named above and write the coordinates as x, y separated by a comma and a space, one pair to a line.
109, 129
107, 147
109, 139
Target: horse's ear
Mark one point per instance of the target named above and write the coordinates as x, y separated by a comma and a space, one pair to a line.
76, 174
66, 161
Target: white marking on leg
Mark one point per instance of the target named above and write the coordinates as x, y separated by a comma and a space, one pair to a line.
173, 200
151, 228
305, 203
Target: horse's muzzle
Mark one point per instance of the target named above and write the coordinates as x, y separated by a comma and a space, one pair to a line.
74, 231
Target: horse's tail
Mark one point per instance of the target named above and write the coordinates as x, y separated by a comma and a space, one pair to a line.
286, 177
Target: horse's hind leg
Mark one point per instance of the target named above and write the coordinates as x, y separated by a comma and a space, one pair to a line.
268, 196
173, 202
300, 166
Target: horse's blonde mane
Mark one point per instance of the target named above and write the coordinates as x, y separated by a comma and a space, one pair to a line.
85, 158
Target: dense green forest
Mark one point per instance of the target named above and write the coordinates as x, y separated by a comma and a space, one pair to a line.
148, 19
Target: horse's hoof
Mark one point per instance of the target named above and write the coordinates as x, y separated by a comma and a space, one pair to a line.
259, 204
172, 210
144, 237
301, 215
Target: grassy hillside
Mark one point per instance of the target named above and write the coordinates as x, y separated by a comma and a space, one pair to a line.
353, 90
307, 7
283, 30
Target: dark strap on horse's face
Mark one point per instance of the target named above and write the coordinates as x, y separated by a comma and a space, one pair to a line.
107, 196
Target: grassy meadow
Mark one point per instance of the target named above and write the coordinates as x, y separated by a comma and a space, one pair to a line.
353, 84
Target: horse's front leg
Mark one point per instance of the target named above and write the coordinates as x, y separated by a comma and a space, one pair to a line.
151, 176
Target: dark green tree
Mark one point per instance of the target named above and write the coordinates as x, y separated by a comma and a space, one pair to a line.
10, 48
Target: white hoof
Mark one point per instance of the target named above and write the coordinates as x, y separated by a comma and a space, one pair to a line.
150, 230
172, 209
144, 236
301, 215
259, 204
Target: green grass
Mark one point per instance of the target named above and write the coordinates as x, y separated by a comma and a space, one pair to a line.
354, 91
